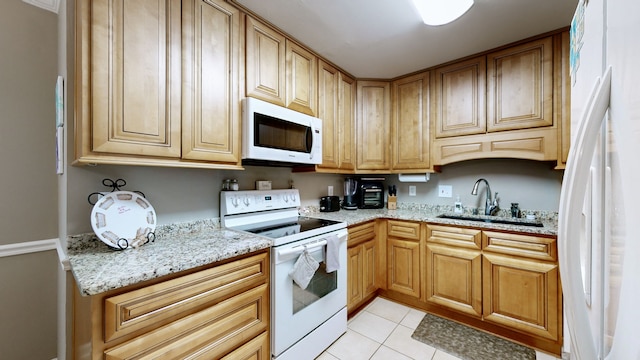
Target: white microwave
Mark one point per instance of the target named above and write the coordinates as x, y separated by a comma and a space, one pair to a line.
274, 134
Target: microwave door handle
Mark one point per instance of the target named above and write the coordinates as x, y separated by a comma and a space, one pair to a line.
309, 138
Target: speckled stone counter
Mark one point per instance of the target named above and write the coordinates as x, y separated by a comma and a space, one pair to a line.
430, 213
97, 268
178, 247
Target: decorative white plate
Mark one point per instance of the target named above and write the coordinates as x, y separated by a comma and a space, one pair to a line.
123, 215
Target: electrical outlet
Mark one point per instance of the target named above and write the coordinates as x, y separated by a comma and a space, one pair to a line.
412, 190
445, 191
330, 190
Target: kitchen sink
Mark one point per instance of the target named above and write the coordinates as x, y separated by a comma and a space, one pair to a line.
494, 220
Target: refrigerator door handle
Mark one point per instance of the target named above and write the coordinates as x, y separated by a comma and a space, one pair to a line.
574, 187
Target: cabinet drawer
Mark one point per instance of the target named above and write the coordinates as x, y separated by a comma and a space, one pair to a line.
403, 229
446, 235
158, 304
361, 233
529, 246
256, 349
207, 334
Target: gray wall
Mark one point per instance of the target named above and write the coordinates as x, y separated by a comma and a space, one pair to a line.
28, 184
534, 185
188, 194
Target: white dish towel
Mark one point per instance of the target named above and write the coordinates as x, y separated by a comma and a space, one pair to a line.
332, 255
304, 269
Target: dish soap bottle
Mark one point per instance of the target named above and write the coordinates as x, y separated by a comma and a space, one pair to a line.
457, 207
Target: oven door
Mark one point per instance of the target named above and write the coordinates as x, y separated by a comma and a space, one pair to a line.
296, 312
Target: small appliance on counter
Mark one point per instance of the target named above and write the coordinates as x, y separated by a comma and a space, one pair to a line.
350, 201
329, 203
371, 193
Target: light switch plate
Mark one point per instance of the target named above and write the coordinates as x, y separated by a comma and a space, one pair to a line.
412, 190
445, 191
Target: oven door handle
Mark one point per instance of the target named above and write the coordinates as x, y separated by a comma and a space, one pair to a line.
299, 249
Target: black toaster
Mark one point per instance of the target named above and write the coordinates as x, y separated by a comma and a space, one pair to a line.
329, 203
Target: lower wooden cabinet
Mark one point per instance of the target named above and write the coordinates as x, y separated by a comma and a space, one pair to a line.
404, 243
454, 269
454, 278
521, 284
501, 282
362, 267
499, 278
216, 312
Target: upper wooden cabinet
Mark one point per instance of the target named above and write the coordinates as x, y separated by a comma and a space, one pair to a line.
520, 86
459, 97
265, 75
373, 125
521, 121
562, 95
279, 70
328, 79
410, 125
211, 91
131, 77
336, 100
302, 79
347, 122
158, 83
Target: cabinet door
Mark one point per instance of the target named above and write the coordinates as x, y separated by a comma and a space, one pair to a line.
135, 74
347, 122
328, 79
520, 82
522, 295
301, 79
410, 127
373, 125
403, 266
265, 61
454, 278
354, 276
460, 107
211, 90
369, 268
562, 96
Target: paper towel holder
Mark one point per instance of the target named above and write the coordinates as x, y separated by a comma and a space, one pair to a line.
414, 177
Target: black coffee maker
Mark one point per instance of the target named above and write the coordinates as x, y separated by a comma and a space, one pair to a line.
350, 201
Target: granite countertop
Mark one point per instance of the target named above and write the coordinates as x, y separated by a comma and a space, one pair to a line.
427, 213
97, 268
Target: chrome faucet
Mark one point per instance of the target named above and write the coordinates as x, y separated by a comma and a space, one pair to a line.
490, 206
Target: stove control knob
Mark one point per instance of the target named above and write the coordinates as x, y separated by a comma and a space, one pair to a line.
234, 201
246, 201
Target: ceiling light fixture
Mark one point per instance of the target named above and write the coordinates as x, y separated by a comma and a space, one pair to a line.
440, 12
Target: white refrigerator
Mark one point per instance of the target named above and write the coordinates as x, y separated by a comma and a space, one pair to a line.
599, 215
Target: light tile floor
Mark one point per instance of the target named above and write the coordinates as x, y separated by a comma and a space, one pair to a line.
382, 331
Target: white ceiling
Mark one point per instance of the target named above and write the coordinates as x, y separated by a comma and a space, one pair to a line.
386, 38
